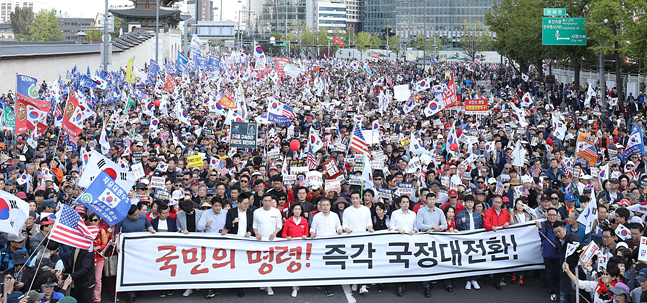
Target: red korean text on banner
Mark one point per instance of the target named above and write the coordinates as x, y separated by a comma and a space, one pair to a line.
338, 41
280, 65
476, 106
227, 101
31, 114
449, 96
73, 118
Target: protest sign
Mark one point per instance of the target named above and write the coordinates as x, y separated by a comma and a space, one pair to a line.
314, 178
642, 250
155, 262
332, 168
476, 107
333, 185
405, 188
243, 135
295, 170
385, 193
355, 180
194, 161
158, 182
289, 179
161, 195
273, 155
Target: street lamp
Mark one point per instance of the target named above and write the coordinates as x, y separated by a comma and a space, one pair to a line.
603, 88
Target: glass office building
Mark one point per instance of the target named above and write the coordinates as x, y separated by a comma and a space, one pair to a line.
410, 18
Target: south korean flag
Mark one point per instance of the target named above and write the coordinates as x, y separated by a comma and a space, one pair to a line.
108, 197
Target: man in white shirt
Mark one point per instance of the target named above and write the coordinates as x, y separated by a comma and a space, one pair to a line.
267, 223
357, 219
403, 221
325, 223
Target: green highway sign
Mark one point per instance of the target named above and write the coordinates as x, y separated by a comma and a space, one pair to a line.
554, 12
563, 31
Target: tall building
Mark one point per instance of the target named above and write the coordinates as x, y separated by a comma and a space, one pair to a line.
204, 11
330, 14
410, 18
354, 14
70, 26
7, 7
281, 16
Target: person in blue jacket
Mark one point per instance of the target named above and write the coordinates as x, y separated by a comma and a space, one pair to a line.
550, 252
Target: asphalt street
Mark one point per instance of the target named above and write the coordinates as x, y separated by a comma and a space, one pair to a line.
532, 292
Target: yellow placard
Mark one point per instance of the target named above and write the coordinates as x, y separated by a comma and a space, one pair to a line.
194, 161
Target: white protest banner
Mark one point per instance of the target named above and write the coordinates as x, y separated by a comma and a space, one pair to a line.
158, 182
401, 92
295, 170
588, 252
314, 177
138, 170
165, 261
642, 250
333, 185
355, 180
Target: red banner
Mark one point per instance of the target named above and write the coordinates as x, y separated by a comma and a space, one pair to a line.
449, 96
31, 114
280, 65
169, 84
73, 117
338, 41
476, 106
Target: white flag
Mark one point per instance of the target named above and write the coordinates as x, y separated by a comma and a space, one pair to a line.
98, 163
103, 140
589, 214
13, 212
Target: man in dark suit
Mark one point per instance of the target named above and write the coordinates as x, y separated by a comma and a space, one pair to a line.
163, 222
564, 237
240, 219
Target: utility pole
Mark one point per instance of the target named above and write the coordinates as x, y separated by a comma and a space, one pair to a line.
106, 40
157, 29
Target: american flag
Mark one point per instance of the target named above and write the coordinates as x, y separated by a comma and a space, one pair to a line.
535, 172
499, 189
312, 161
288, 112
70, 229
357, 140
164, 135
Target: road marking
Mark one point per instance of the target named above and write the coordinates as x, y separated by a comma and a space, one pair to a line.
348, 293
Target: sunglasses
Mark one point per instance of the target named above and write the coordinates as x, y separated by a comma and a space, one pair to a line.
480, 182
94, 220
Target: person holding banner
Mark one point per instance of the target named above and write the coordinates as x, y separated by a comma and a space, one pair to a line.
325, 223
494, 218
549, 251
431, 219
295, 227
403, 221
267, 224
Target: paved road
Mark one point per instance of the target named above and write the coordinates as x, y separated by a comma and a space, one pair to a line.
531, 293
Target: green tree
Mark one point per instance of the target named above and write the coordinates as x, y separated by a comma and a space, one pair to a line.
45, 27
363, 41
610, 24
428, 46
119, 24
376, 42
21, 21
517, 24
475, 39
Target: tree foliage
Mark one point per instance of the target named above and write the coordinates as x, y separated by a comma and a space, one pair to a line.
476, 38
45, 27
21, 20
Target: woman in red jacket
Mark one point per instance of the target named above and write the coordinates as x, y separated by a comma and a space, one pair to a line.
295, 227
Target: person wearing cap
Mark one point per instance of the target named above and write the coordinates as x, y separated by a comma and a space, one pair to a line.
613, 195
47, 281
637, 292
46, 224
24, 274
29, 229
567, 208
8, 252
453, 201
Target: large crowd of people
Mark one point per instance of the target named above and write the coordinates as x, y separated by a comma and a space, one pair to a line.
481, 181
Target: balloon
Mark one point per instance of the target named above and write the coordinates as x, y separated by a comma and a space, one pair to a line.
157, 103
453, 147
294, 145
